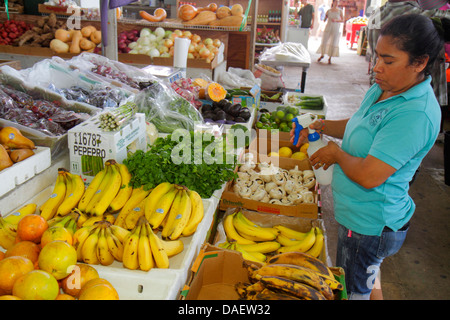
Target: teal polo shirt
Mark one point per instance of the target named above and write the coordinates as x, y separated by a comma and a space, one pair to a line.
398, 131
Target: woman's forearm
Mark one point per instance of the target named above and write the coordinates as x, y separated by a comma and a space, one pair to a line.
334, 128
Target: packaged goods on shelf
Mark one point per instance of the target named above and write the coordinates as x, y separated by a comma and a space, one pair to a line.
90, 146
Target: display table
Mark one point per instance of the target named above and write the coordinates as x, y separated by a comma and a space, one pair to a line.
352, 32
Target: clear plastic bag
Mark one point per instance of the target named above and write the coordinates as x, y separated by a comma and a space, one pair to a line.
288, 51
166, 109
238, 78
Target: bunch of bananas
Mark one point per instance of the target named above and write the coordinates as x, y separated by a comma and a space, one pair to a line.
144, 250
289, 276
8, 224
173, 208
255, 242
100, 243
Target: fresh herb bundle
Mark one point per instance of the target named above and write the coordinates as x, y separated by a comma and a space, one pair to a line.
200, 163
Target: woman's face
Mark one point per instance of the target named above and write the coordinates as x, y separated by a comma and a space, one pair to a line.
394, 73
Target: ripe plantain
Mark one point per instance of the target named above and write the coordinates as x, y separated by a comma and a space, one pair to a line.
291, 287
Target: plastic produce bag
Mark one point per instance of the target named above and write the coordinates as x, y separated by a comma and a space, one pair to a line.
166, 109
185, 88
288, 51
238, 78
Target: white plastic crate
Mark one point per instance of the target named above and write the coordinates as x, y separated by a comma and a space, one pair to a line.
24, 170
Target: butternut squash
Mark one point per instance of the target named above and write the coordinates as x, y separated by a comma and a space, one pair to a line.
203, 18
237, 10
87, 31
215, 92
210, 7
223, 12
158, 15
231, 21
86, 44
59, 46
64, 35
96, 37
187, 12
75, 44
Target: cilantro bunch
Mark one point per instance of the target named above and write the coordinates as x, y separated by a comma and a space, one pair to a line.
200, 163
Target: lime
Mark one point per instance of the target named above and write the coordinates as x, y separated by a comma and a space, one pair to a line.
259, 124
294, 111
289, 117
283, 126
280, 114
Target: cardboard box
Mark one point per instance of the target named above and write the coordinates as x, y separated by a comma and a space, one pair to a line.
251, 101
90, 147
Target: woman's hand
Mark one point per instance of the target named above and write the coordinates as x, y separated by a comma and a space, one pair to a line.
303, 137
324, 157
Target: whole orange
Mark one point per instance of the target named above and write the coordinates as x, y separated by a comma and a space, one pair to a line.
56, 258
36, 285
27, 249
99, 291
63, 296
11, 269
81, 274
2, 255
56, 233
31, 228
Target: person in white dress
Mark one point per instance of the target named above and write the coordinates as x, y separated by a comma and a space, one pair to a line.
331, 35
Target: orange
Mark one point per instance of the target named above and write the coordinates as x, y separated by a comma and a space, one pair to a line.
31, 228
81, 274
27, 249
9, 297
56, 258
64, 296
56, 233
99, 291
11, 269
36, 285
2, 255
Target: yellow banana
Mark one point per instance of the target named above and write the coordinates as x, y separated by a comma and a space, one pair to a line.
154, 196
114, 245
285, 241
171, 215
305, 260
263, 247
81, 217
91, 190
130, 249
251, 223
134, 215
15, 216
110, 192
296, 273
98, 194
73, 195
7, 234
231, 233
158, 251
292, 287
104, 255
290, 233
79, 237
182, 217
172, 247
252, 232
137, 196
89, 248
109, 217
72, 226
92, 220
145, 256
302, 245
119, 232
69, 185
197, 213
162, 207
49, 208
316, 249
252, 256
125, 189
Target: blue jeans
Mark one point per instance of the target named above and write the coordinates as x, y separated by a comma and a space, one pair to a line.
360, 256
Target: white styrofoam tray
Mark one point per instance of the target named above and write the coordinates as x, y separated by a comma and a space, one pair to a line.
24, 170
156, 284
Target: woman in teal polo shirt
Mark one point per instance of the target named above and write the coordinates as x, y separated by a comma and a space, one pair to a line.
383, 144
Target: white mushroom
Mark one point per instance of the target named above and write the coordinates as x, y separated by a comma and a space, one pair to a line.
245, 192
308, 197
308, 174
301, 188
295, 172
259, 194
309, 182
295, 198
255, 184
247, 166
285, 201
279, 178
266, 198
270, 185
277, 193
275, 201
243, 175
241, 182
290, 186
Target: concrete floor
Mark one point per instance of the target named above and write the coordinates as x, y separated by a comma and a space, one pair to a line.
421, 269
